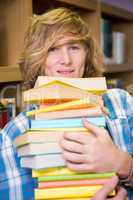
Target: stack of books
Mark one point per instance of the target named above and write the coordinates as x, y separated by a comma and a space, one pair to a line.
62, 104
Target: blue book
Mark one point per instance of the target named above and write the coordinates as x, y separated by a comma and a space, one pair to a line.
66, 123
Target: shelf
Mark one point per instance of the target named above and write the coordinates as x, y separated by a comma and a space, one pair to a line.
116, 12
116, 68
10, 74
85, 4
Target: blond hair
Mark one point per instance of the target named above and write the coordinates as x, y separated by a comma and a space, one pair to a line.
45, 30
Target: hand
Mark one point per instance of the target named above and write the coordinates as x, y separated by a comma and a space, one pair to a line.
107, 188
93, 152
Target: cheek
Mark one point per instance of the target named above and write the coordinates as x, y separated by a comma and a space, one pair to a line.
48, 66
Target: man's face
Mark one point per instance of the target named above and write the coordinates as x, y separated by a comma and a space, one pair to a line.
66, 59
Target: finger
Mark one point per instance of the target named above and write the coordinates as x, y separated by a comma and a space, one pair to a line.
105, 110
71, 146
74, 157
107, 188
79, 137
79, 167
121, 194
95, 130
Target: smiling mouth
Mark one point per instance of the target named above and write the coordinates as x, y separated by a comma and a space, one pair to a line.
65, 71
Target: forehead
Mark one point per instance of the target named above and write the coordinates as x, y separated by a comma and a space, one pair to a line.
67, 40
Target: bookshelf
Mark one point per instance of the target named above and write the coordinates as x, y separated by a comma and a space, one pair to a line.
17, 14
10, 74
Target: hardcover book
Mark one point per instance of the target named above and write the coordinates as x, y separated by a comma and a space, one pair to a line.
39, 149
42, 161
85, 112
65, 123
90, 84
67, 192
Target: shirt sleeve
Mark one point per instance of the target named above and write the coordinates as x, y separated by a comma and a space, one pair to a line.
14, 180
120, 119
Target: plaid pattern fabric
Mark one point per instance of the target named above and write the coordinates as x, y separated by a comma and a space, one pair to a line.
16, 183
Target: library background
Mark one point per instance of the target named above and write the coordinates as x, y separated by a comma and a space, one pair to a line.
111, 23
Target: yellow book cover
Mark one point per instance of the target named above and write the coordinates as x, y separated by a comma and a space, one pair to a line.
76, 104
52, 171
55, 171
62, 129
73, 199
67, 192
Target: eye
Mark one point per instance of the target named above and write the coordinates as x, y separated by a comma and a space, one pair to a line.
52, 49
75, 47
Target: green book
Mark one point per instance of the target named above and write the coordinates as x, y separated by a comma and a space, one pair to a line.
76, 176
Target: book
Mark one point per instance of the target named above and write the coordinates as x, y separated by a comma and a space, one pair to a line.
106, 37
42, 161
83, 182
76, 176
65, 123
76, 104
90, 84
56, 171
73, 198
37, 137
85, 112
56, 91
39, 148
83, 129
67, 192
53, 171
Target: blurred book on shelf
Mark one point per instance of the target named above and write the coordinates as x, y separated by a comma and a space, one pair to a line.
106, 37
7, 110
113, 43
115, 83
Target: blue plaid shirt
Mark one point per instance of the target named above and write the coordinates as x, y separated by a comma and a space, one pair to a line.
16, 183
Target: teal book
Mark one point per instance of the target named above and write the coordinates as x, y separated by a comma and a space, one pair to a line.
66, 123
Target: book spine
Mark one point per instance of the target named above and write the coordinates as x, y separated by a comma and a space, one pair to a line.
72, 192
50, 184
66, 123
75, 177
70, 113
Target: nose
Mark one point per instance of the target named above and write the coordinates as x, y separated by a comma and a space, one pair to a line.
65, 56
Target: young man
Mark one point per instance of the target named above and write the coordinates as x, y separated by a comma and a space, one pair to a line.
59, 43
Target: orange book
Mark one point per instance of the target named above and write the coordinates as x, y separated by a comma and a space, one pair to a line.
50, 184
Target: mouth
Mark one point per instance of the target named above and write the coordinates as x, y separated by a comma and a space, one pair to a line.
65, 72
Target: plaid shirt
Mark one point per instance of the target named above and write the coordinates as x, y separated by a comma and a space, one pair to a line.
16, 183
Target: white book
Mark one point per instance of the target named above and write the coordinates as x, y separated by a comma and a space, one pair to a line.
37, 137
90, 83
39, 148
42, 161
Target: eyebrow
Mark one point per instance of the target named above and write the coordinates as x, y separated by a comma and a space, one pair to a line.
67, 42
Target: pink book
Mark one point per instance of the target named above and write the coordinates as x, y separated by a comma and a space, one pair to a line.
85, 182
94, 111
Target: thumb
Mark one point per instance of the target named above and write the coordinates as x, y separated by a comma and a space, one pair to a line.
107, 188
121, 194
95, 130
